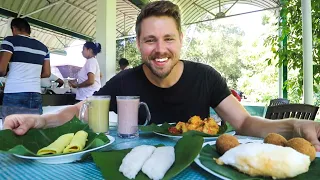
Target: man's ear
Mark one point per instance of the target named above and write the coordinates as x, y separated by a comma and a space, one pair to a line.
181, 38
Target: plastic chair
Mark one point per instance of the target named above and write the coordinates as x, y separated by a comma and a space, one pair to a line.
279, 101
298, 111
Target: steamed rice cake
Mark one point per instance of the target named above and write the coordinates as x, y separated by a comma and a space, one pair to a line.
159, 163
134, 160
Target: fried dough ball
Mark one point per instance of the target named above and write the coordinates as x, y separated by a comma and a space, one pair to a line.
276, 139
226, 142
303, 146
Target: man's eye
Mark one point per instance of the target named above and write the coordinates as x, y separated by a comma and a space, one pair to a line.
169, 39
150, 40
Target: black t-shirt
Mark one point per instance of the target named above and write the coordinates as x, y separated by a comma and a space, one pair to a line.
199, 88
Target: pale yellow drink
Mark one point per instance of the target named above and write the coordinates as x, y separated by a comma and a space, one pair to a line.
98, 114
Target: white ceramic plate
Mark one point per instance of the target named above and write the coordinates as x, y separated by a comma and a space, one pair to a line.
241, 141
178, 137
197, 160
65, 158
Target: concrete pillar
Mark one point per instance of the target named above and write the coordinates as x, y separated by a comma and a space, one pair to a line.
106, 36
307, 52
280, 82
8, 27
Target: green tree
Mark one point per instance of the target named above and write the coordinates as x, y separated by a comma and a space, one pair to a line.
126, 48
218, 46
293, 56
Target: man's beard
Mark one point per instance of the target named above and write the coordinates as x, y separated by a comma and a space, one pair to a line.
158, 72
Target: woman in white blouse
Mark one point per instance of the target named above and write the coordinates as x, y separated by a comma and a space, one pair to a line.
89, 74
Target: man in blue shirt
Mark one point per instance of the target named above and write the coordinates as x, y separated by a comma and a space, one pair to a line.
28, 61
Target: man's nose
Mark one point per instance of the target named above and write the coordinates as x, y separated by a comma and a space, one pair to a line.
161, 46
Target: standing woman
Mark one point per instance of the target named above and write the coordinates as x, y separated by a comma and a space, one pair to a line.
89, 74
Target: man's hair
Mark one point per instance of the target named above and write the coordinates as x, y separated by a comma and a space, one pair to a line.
123, 62
159, 8
21, 25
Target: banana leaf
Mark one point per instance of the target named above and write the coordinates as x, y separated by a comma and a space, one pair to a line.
163, 129
209, 152
186, 150
35, 139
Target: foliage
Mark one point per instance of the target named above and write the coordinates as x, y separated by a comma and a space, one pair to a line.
126, 48
292, 53
218, 46
259, 80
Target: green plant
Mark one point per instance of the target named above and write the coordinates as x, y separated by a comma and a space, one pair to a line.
290, 52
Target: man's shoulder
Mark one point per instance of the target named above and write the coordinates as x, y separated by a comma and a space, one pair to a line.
11, 39
128, 75
131, 71
39, 43
25, 41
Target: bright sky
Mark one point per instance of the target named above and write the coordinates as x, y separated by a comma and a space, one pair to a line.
74, 56
251, 24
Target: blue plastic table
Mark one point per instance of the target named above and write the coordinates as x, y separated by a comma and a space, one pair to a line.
12, 167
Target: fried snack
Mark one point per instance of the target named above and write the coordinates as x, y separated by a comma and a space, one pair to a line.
276, 139
191, 127
226, 142
210, 126
303, 146
195, 123
195, 120
181, 126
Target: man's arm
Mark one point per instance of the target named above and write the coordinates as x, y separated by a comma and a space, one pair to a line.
6, 51
233, 112
5, 57
21, 123
46, 70
63, 116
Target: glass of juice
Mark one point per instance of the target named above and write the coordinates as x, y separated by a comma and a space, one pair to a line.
128, 108
95, 111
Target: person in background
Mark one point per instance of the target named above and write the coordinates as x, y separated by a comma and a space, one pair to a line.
124, 64
46, 82
28, 61
174, 89
89, 75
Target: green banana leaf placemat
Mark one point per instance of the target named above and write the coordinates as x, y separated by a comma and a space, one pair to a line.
186, 150
163, 129
35, 139
208, 152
